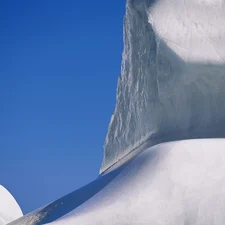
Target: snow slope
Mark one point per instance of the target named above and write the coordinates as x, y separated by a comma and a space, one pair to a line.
67, 203
172, 83
9, 209
173, 183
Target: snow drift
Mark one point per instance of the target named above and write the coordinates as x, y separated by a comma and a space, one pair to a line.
9, 209
174, 183
172, 83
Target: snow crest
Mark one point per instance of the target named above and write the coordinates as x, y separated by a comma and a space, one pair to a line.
172, 83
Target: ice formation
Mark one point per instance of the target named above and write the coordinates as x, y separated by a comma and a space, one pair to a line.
172, 83
172, 87
9, 209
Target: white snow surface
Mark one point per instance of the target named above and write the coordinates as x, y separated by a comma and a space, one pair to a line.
9, 209
172, 83
171, 88
173, 183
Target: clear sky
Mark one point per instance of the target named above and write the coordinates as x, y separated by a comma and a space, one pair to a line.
59, 65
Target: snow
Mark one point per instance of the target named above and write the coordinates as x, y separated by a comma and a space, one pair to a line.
67, 203
163, 160
9, 209
172, 83
174, 183
194, 30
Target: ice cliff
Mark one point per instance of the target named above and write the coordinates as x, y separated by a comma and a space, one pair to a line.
172, 83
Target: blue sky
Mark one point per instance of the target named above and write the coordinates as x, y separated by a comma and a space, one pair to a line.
60, 61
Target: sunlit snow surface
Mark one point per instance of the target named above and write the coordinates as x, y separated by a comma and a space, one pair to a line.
9, 209
172, 83
176, 183
171, 88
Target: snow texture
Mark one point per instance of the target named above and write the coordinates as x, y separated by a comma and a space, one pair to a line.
172, 87
9, 209
174, 183
172, 83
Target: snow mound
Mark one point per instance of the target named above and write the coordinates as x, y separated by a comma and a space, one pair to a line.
9, 209
172, 83
174, 183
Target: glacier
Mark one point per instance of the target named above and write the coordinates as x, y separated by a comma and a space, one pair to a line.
164, 153
172, 83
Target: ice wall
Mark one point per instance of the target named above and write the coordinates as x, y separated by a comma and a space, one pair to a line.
172, 83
